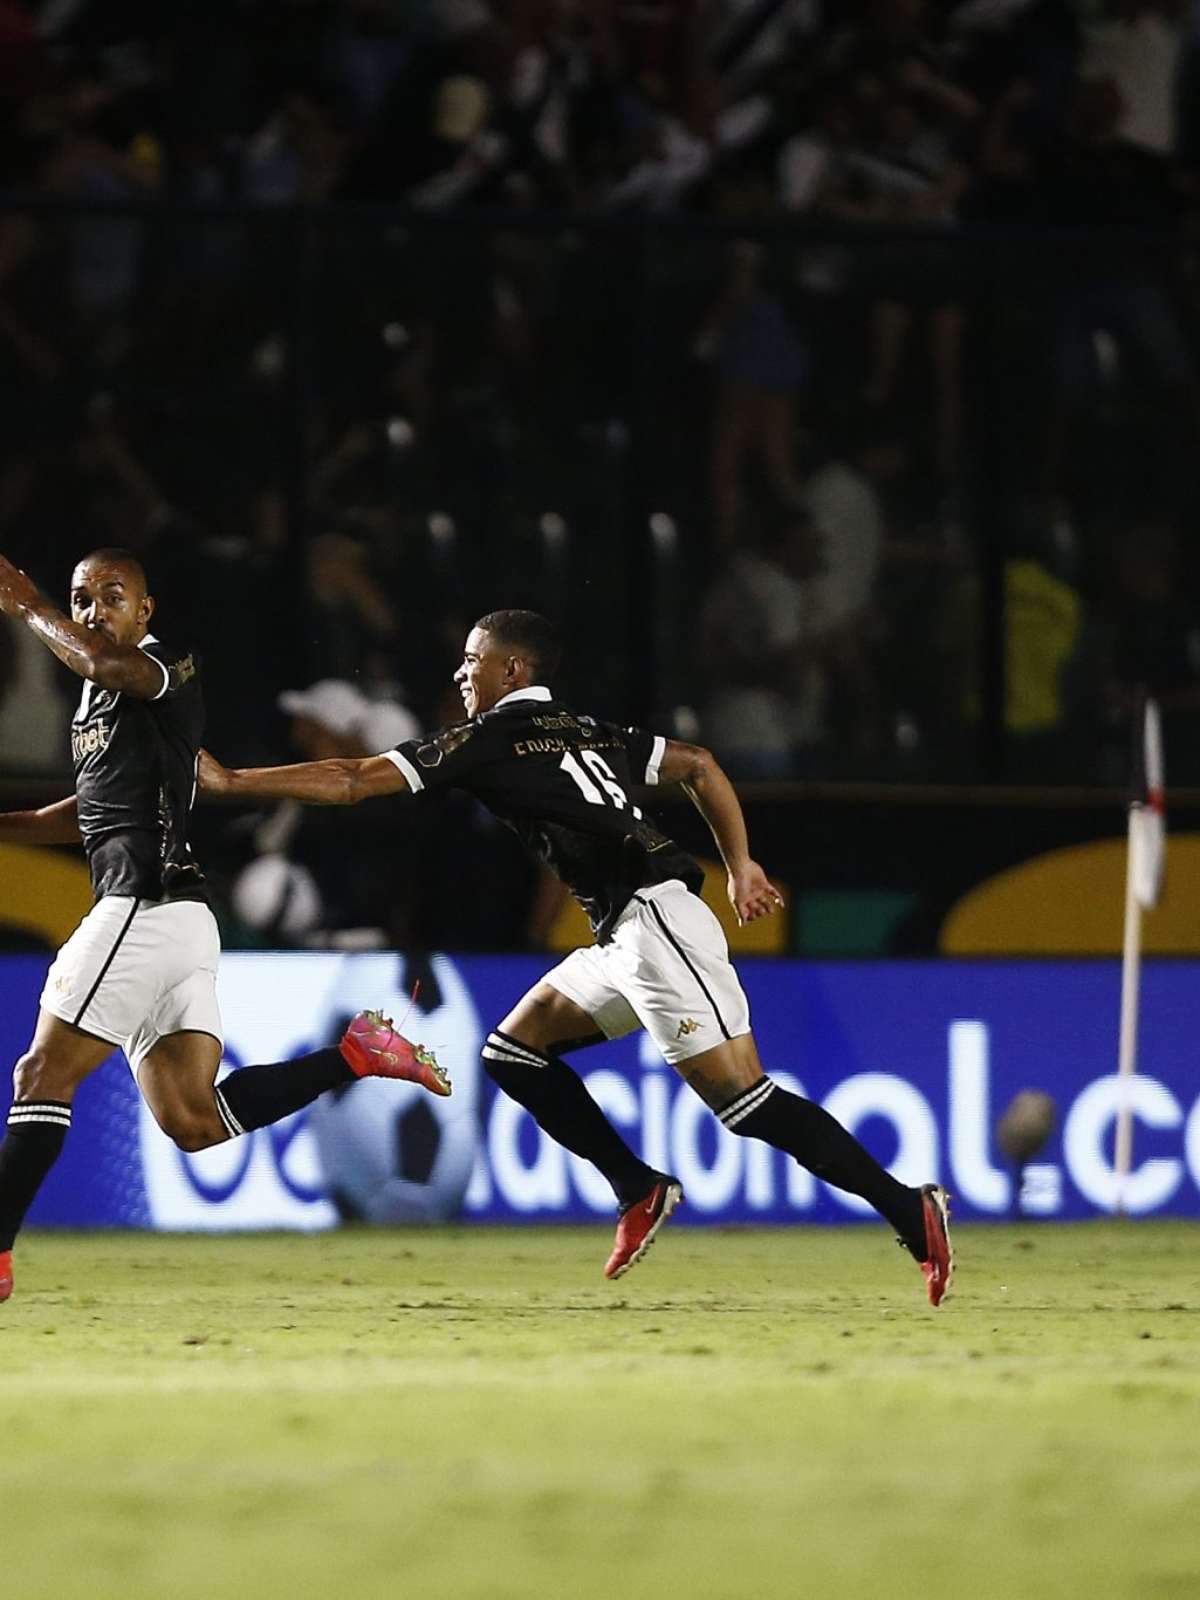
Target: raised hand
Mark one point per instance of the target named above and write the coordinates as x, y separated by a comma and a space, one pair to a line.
16, 590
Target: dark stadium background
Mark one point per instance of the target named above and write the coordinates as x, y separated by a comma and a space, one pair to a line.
828, 371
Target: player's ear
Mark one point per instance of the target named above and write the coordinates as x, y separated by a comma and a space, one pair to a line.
146, 609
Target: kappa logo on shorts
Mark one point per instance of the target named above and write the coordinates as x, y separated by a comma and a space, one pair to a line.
688, 1025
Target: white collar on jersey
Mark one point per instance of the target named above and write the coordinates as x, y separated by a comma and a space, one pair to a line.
149, 639
535, 691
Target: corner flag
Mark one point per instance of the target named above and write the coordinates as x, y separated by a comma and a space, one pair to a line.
1143, 885
1148, 834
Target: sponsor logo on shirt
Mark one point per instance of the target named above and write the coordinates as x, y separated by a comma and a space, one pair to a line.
180, 671
90, 739
431, 754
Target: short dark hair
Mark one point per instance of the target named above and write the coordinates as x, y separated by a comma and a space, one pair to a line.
529, 635
114, 556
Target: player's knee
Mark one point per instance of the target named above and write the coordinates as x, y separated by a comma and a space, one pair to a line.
35, 1077
190, 1129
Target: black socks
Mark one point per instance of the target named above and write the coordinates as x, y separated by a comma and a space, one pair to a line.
805, 1131
37, 1131
557, 1100
254, 1096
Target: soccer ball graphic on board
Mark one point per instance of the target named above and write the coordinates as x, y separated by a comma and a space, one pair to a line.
391, 1152
377, 1151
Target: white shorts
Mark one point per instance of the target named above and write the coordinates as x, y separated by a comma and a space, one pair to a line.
666, 969
135, 971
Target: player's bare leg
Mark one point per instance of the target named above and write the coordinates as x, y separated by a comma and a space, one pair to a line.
178, 1079
523, 1057
730, 1080
45, 1079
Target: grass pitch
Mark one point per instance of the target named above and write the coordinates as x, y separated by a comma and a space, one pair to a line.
477, 1413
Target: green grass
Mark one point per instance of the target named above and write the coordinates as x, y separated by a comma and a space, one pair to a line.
477, 1413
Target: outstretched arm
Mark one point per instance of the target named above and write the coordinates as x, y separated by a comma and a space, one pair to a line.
342, 782
113, 666
750, 893
53, 824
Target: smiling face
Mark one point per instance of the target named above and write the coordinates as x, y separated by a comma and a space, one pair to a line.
109, 597
489, 671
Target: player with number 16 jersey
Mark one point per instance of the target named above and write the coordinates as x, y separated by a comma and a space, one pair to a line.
561, 781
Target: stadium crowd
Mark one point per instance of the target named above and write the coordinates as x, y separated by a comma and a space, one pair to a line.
777, 344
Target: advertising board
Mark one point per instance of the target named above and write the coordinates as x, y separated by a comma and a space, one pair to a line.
918, 1058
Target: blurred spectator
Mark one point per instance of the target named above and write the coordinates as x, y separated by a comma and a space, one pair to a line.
760, 364
1139, 48
762, 649
1095, 179
34, 713
1044, 620
107, 153
301, 152
349, 623
1155, 644
333, 718
844, 502
309, 882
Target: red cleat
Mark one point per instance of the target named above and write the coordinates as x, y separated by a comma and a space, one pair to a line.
938, 1267
6, 1279
372, 1048
639, 1224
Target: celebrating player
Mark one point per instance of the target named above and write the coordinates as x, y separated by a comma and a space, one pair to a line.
140, 970
561, 780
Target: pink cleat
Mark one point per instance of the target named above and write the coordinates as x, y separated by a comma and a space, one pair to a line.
6, 1278
372, 1048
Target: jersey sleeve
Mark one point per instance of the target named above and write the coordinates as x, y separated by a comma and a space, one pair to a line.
177, 669
646, 751
443, 759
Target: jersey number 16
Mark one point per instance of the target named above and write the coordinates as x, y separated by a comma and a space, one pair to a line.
573, 765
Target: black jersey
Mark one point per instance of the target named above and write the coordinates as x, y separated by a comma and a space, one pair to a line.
135, 778
561, 781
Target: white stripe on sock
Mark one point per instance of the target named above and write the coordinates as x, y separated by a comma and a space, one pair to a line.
741, 1109
24, 1113
232, 1126
498, 1049
511, 1059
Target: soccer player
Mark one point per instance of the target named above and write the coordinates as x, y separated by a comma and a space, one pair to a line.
140, 970
561, 780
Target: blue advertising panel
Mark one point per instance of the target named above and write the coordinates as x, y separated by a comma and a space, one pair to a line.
917, 1058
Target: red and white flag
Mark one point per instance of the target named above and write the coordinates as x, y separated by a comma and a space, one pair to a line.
1148, 833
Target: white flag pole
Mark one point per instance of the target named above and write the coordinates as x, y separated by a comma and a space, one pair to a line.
1131, 963
1144, 870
